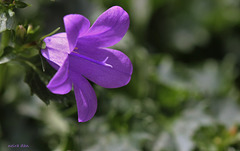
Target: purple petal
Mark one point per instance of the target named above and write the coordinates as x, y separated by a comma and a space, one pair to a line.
75, 26
60, 83
85, 97
106, 67
56, 49
108, 29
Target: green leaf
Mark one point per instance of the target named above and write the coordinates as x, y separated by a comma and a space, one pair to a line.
37, 86
215, 137
43, 46
19, 4
29, 52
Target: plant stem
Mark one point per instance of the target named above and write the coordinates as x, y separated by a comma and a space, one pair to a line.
5, 38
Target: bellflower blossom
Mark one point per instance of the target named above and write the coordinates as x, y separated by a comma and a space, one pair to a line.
80, 53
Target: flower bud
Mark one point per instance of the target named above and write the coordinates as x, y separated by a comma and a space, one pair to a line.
20, 31
30, 29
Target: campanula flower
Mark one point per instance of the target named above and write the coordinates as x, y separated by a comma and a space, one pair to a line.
81, 53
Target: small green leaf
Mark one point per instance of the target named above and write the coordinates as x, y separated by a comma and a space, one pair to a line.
43, 46
19, 4
29, 52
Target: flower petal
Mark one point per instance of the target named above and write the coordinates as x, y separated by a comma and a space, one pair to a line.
60, 83
108, 29
85, 97
75, 26
56, 49
106, 67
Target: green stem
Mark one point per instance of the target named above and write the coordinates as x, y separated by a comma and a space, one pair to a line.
5, 38
70, 111
50, 34
3, 75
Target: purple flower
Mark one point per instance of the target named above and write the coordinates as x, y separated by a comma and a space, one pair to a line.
81, 53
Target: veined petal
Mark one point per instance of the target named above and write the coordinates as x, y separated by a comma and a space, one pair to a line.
75, 26
106, 67
60, 83
108, 29
85, 97
56, 49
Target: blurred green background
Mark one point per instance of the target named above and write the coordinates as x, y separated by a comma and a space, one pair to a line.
183, 95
